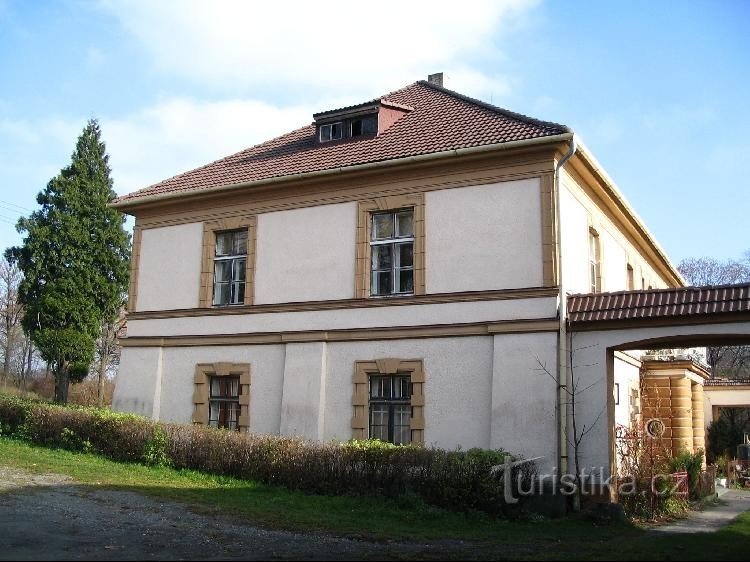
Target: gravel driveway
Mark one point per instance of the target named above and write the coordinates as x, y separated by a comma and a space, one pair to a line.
48, 517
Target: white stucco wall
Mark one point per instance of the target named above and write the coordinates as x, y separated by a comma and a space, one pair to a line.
484, 237
170, 267
483, 391
138, 386
306, 254
524, 418
404, 315
266, 376
458, 379
627, 376
739, 396
575, 245
304, 393
616, 248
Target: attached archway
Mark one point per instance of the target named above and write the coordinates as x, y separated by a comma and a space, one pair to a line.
601, 325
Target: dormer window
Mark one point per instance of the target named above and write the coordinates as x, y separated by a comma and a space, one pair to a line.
360, 126
331, 131
363, 121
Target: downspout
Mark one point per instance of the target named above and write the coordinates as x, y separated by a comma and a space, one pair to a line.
563, 373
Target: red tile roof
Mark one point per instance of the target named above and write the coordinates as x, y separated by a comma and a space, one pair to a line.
659, 303
441, 120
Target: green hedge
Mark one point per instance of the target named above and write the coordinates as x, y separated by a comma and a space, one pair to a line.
456, 480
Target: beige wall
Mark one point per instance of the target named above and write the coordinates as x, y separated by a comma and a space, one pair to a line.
627, 375
306, 254
480, 391
524, 402
385, 316
170, 267
726, 396
579, 213
139, 380
484, 237
457, 388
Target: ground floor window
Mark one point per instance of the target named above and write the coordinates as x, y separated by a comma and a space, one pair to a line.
224, 402
388, 400
221, 395
390, 408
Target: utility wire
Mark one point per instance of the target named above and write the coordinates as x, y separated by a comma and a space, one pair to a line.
8, 203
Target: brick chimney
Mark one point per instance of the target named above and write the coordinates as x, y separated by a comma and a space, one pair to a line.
436, 79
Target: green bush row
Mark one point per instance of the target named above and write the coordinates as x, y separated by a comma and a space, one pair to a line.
456, 480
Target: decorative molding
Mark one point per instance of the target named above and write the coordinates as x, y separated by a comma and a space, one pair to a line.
549, 234
201, 394
361, 394
480, 170
355, 334
210, 228
342, 304
365, 209
135, 263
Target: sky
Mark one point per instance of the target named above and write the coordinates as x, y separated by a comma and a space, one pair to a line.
657, 90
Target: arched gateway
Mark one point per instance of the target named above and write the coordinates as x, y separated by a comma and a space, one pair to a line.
605, 325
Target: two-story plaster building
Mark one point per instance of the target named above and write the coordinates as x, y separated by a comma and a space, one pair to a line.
395, 269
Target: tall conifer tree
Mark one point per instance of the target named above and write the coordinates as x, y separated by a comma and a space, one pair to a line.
74, 259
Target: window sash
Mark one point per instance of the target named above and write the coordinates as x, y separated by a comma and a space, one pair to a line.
397, 278
230, 289
390, 408
224, 402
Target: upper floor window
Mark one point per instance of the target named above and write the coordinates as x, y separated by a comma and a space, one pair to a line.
230, 264
392, 253
595, 258
631, 278
224, 402
390, 408
331, 131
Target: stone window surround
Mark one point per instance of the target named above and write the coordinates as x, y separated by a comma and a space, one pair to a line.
210, 228
361, 394
203, 371
594, 238
365, 210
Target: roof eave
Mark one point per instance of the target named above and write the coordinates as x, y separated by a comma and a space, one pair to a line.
615, 192
135, 202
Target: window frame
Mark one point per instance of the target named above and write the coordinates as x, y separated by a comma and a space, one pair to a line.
364, 370
395, 242
391, 404
366, 209
329, 127
202, 393
223, 400
233, 259
595, 261
210, 231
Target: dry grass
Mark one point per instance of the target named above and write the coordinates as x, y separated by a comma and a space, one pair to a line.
83, 393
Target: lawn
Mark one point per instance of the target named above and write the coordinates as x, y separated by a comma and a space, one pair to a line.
380, 519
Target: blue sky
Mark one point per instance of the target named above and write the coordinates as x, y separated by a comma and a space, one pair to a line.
658, 91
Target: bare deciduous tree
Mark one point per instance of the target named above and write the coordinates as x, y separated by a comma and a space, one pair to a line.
108, 351
725, 361
579, 430
11, 313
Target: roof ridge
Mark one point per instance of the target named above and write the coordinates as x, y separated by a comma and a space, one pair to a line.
501, 110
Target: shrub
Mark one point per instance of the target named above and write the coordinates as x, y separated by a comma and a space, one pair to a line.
692, 463
457, 480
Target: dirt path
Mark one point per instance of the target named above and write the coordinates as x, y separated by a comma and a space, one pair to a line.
48, 517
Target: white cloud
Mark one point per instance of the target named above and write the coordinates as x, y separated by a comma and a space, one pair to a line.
177, 135
328, 47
